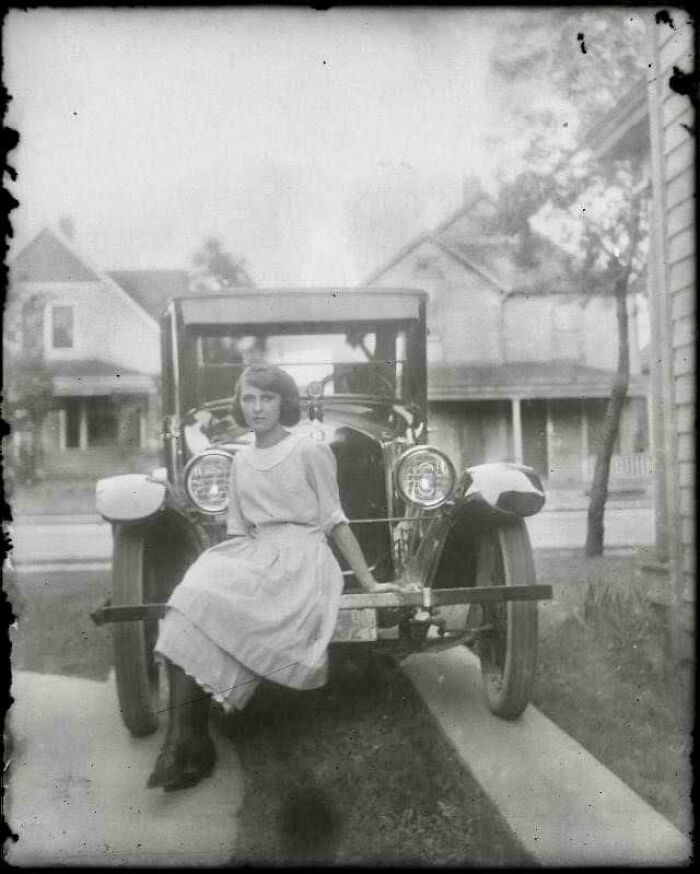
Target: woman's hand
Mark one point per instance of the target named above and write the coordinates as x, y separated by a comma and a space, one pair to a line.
371, 585
350, 548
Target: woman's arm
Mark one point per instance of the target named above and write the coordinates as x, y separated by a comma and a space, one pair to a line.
347, 543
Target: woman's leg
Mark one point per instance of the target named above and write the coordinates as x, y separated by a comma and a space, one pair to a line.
188, 753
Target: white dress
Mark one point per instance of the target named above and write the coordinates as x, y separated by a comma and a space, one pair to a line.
265, 602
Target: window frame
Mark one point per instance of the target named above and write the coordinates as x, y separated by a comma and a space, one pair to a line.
51, 349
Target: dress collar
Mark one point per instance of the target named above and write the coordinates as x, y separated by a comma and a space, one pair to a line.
264, 459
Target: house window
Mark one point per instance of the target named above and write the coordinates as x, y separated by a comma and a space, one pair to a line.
62, 328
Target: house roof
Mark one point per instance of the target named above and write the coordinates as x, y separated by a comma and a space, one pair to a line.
152, 289
93, 366
47, 258
465, 258
93, 376
51, 258
624, 128
524, 379
398, 256
493, 256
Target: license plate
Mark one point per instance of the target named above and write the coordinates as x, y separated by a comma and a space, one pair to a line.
356, 625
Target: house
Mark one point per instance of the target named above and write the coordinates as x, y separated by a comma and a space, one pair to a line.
521, 361
98, 334
672, 98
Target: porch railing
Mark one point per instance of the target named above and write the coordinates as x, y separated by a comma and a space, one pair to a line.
635, 466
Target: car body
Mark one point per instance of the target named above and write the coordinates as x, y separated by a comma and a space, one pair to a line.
454, 540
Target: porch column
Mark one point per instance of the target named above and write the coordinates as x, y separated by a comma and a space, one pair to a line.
62, 429
142, 426
83, 432
517, 430
550, 437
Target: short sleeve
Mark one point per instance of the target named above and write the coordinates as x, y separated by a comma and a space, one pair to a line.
235, 521
321, 471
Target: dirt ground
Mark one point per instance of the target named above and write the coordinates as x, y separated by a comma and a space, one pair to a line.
603, 678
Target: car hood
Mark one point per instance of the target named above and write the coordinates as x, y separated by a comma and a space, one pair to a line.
380, 423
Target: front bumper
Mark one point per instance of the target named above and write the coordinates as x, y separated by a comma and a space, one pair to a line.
354, 601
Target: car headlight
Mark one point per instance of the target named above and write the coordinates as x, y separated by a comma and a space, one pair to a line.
425, 476
207, 479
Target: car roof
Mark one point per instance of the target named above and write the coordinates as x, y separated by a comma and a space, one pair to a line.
299, 305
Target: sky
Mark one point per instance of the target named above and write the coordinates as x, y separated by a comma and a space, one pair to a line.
313, 144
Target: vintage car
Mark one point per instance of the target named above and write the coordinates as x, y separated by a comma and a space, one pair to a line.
455, 540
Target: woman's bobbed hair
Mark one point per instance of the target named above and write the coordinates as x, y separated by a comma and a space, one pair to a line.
269, 378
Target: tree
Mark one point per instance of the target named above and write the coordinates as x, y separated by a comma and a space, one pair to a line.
217, 270
554, 72
28, 386
576, 64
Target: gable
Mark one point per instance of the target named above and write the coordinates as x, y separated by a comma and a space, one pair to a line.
468, 220
152, 289
47, 259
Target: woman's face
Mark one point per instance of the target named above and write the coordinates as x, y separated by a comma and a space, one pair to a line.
261, 408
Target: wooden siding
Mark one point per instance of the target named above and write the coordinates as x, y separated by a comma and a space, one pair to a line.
685, 420
678, 131
684, 359
681, 245
679, 158
682, 278
680, 217
681, 188
671, 116
673, 106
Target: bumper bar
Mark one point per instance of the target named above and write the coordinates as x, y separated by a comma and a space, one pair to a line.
440, 597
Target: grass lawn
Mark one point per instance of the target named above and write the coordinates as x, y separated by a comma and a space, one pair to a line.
602, 678
55, 497
356, 773
54, 633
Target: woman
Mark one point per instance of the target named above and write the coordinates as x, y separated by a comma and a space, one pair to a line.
264, 602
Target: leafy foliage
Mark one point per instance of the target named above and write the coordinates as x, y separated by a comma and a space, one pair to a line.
560, 70
28, 386
217, 269
555, 72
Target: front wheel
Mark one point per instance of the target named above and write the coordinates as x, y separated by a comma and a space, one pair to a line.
507, 642
137, 673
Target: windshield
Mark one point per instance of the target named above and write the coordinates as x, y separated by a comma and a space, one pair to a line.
351, 361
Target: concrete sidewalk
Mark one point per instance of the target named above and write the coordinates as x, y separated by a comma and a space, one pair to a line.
76, 790
563, 805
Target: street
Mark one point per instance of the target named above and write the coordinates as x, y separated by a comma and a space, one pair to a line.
90, 541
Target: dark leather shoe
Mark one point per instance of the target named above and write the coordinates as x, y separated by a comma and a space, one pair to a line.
165, 767
195, 758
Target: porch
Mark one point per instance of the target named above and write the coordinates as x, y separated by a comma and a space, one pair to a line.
546, 416
103, 422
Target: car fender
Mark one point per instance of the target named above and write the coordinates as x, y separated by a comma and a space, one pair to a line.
129, 497
500, 489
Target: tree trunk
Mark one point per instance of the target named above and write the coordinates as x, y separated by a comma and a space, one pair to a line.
611, 425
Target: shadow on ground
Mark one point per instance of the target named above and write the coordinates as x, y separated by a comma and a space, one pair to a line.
358, 773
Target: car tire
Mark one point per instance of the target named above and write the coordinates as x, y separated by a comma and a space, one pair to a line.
137, 673
508, 652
